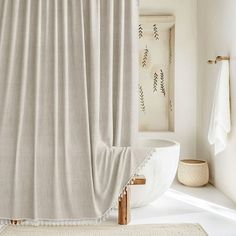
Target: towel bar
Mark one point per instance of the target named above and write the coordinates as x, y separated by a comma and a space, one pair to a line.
218, 58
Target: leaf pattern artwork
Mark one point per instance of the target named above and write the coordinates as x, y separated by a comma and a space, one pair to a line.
155, 79
162, 82
155, 32
170, 47
140, 31
171, 106
145, 57
141, 99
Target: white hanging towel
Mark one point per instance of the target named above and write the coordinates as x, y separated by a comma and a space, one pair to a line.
220, 124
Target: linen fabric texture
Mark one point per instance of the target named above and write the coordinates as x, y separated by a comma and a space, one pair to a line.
68, 119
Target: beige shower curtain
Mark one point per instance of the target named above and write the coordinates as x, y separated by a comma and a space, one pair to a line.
68, 82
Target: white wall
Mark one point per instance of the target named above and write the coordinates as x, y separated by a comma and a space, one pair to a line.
185, 12
217, 36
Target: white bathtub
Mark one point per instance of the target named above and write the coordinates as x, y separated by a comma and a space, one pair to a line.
160, 171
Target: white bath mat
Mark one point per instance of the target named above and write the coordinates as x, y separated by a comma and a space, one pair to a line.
114, 230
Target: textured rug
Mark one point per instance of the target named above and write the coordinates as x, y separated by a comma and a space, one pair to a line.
114, 230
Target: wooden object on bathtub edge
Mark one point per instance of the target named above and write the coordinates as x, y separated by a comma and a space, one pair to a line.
124, 208
139, 180
15, 222
124, 202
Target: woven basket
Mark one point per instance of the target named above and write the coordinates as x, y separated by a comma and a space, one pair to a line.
194, 173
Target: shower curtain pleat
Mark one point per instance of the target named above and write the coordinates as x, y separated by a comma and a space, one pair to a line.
106, 84
118, 89
68, 118
22, 100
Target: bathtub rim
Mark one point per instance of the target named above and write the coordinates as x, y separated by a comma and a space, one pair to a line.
174, 144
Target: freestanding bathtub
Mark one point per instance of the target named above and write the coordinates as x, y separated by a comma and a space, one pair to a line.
160, 171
